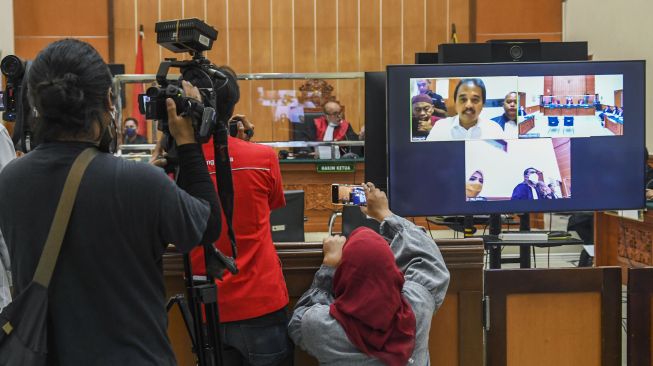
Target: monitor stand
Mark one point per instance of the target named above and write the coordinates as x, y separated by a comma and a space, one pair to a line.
495, 230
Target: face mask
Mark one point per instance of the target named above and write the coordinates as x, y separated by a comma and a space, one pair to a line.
130, 132
532, 178
472, 189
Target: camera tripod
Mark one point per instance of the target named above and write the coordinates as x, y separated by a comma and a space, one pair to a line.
201, 316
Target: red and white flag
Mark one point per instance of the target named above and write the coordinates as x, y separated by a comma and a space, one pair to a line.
138, 88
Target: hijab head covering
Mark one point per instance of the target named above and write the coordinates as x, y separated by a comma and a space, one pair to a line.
368, 301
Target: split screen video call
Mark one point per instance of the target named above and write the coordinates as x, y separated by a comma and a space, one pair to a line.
575, 130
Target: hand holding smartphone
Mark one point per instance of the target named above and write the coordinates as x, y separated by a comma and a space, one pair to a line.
348, 194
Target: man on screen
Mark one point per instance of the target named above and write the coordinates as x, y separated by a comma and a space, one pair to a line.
469, 98
527, 190
439, 108
508, 120
423, 118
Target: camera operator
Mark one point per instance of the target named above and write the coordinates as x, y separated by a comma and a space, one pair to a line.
106, 296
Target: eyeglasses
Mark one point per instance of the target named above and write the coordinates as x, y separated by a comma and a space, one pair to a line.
332, 114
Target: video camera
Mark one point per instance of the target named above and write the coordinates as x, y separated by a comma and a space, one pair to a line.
16, 107
219, 95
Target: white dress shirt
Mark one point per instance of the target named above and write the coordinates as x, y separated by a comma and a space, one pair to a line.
450, 129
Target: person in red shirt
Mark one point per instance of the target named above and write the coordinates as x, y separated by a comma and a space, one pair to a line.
252, 304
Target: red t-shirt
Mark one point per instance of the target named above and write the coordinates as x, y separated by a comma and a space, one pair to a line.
259, 288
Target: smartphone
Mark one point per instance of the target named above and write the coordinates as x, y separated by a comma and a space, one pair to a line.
143, 99
2, 101
348, 194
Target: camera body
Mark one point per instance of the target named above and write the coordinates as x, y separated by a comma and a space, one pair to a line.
209, 113
14, 69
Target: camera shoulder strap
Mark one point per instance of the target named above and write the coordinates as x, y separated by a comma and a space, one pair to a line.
59, 224
225, 181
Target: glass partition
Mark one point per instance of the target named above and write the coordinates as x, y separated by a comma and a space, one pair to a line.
288, 113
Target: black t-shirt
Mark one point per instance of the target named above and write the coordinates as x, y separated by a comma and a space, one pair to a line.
107, 298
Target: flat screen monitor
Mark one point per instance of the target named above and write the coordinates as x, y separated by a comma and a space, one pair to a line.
516, 137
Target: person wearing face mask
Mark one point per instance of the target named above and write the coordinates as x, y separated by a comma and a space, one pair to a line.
106, 302
469, 98
527, 190
474, 186
131, 133
332, 127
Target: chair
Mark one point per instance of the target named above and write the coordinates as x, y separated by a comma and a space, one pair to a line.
568, 123
553, 124
352, 218
287, 223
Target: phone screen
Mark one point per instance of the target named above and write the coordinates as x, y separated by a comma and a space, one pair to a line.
2, 101
143, 99
347, 194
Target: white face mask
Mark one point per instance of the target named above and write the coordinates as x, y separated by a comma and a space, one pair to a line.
532, 178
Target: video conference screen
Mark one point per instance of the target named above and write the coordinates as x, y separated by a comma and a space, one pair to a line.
515, 137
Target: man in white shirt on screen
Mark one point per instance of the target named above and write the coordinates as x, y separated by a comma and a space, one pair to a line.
469, 98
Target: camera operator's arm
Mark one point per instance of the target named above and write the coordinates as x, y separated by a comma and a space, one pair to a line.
193, 174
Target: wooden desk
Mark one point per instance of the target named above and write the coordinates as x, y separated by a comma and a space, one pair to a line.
623, 242
573, 110
456, 336
614, 126
317, 188
527, 125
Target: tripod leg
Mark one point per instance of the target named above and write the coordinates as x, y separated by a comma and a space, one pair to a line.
185, 315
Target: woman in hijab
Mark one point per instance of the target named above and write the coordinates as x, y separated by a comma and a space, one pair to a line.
372, 303
474, 185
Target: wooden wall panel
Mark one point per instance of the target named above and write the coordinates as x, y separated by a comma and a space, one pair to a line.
348, 91
391, 40
370, 36
459, 14
217, 17
28, 48
437, 27
564, 325
562, 149
590, 84
36, 27
239, 49
414, 29
305, 37
286, 36
443, 337
513, 19
61, 17
194, 9
564, 86
261, 26
169, 9
326, 36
